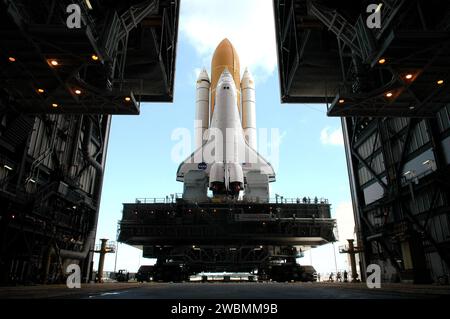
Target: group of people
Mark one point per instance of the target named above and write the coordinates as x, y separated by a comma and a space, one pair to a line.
339, 276
307, 200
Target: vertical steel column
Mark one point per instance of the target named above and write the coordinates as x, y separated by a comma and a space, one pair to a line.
101, 259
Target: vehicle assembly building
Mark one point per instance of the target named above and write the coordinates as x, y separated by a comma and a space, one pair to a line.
68, 66
390, 86
58, 89
238, 228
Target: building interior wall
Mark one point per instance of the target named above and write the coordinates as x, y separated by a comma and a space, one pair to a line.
404, 226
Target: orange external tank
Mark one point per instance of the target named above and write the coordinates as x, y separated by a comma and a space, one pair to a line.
225, 56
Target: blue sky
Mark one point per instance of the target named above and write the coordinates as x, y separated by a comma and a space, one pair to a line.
311, 154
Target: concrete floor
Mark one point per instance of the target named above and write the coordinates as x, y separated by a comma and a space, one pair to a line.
219, 290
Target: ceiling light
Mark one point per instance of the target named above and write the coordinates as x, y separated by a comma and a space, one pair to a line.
382, 61
12, 59
341, 101
40, 90
440, 82
32, 180
9, 168
94, 57
389, 94
77, 92
54, 62
55, 105
379, 7
88, 3
127, 99
408, 76
412, 107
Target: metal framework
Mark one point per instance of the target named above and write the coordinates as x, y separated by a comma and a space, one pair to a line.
121, 55
390, 87
52, 158
50, 184
231, 236
399, 69
399, 176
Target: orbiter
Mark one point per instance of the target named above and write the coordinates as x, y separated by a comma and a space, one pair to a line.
225, 160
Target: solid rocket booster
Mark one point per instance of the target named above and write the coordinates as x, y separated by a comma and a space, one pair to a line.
202, 107
248, 109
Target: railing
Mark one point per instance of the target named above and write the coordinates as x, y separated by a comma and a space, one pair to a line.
274, 200
298, 200
171, 199
110, 247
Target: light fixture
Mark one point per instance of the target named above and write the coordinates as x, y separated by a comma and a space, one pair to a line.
389, 94
9, 168
12, 59
382, 61
88, 3
32, 180
379, 7
54, 62
408, 76
77, 91
127, 99
407, 173
440, 82
341, 101
40, 90
412, 107
55, 105
94, 57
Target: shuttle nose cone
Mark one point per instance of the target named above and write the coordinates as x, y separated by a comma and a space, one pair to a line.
226, 76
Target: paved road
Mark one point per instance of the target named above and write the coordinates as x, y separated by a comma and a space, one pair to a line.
255, 291
221, 290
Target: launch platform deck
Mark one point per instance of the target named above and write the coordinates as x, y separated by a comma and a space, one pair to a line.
147, 222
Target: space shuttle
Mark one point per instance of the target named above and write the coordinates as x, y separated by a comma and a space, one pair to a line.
225, 160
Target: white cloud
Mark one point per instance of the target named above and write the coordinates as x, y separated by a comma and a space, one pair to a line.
331, 137
197, 72
248, 24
